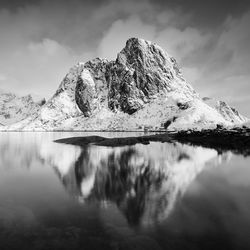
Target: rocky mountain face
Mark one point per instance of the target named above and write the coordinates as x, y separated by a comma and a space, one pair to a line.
142, 89
141, 72
14, 108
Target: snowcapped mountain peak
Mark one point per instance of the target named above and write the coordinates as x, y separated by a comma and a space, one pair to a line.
142, 88
148, 54
138, 48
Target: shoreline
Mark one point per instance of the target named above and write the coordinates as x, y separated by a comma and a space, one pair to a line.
235, 140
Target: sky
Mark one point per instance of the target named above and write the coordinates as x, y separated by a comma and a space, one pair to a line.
41, 39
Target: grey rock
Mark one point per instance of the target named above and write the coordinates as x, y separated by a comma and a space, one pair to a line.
41, 102
91, 86
83, 96
141, 71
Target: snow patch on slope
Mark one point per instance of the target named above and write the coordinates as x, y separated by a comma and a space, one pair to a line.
229, 113
15, 108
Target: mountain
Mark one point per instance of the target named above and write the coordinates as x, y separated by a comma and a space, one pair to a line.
229, 113
15, 108
142, 89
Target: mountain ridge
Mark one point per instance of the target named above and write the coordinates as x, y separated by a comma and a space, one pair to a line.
142, 89
14, 108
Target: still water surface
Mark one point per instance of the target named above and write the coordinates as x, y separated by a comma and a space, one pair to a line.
156, 196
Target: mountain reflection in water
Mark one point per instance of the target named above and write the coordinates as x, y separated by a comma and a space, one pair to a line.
142, 185
143, 181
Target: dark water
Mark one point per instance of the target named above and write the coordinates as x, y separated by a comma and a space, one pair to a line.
156, 196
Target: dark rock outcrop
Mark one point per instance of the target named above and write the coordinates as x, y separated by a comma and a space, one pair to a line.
91, 85
141, 71
236, 139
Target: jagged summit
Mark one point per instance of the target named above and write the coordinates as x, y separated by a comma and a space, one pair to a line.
142, 88
140, 54
141, 71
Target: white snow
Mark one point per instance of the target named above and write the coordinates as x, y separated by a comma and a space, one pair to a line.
64, 115
15, 108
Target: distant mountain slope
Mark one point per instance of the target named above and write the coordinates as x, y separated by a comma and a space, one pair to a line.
142, 88
229, 113
14, 108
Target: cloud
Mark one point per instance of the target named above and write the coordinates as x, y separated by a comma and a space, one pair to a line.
225, 67
2, 77
216, 62
183, 44
177, 42
42, 40
120, 31
39, 43
37, 67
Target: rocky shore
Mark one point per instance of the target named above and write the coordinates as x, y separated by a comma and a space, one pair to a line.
115, 142
236, 140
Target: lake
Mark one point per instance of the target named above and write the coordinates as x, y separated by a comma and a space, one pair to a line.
154, 196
